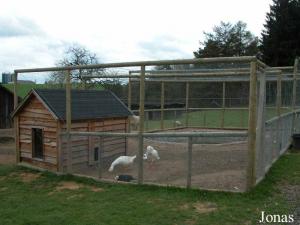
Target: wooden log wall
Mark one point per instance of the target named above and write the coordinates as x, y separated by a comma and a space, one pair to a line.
6, 107
83, 147
35, 115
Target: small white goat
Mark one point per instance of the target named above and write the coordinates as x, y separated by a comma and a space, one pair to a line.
122, 160
151, 154
135, 121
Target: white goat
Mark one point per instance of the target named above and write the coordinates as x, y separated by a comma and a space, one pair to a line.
135, 121
122, 160
151, 154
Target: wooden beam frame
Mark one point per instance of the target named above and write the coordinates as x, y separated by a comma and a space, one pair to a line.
189, 163
141, 127
223, 103
251, 155
187, 95
16, 119
68, 121
162, 103
278, 114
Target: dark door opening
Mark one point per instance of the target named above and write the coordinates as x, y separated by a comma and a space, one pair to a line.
37, 143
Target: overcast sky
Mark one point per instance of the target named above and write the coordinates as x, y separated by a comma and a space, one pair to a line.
35, 33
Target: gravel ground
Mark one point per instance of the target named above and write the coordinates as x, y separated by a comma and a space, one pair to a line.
214, 166
292, 194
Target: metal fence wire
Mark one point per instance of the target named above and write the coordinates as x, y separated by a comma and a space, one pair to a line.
217, 123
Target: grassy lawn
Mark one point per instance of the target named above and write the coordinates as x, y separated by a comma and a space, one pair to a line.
23, 89
237, 118
30, 197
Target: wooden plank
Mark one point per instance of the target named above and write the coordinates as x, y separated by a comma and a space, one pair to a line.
35, 104
37, 111
50, 150
17, 138
41, 164
251, 170
41, 127
189, 163
223, 104
77, 148
100, 156
112, 121
99, 123
141, 127
51, 124
78, 154
162, 102
90, 145
24, 118
115, 127
68, 120
187, 93
35, 115
76, 125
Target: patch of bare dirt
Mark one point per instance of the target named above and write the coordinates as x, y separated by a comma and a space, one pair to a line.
190, 222
184, 206
3, 189
204, 207
29, 177
96, 189
200, 207
70, 185
75, 196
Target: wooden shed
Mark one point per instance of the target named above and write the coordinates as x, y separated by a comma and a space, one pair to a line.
6, 107
41, 118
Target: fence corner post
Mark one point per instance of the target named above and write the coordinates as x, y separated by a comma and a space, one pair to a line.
251, 170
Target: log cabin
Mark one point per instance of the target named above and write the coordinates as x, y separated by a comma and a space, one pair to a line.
41, 117
6, 107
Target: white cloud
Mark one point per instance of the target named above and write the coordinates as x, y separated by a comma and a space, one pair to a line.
34, 33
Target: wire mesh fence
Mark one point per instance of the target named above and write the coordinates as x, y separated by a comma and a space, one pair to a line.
218, 124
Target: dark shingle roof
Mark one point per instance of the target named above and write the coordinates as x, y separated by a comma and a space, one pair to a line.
86, 104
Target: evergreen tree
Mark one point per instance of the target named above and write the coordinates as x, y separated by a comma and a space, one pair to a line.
280, 42
228, 40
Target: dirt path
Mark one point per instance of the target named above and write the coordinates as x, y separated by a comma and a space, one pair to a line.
7, 147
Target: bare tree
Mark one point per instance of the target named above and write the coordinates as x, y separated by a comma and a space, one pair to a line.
76, 55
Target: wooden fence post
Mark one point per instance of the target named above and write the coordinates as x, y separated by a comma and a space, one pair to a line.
189, 163
251, 171
187, 93
260, 144
162, 102
294, 97
278, 113
223, 105
100, 163
16, 119
129, 99
68, 121
141, 126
